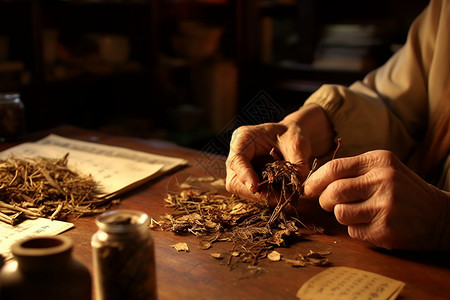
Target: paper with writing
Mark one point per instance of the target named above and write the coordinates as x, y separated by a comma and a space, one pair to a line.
342, 283
168, 163
115, 169
10, 234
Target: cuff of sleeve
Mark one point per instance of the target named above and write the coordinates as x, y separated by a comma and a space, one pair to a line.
353, 119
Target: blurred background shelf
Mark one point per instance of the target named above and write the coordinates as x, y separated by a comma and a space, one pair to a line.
185, 69
292, 47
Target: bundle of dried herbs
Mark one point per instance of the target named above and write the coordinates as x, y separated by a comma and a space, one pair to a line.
45, 187
284, 183
285, 179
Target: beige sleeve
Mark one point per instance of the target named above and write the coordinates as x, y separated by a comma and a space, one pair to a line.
388, 109
362, 120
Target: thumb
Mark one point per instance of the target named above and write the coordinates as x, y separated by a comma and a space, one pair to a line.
297, 150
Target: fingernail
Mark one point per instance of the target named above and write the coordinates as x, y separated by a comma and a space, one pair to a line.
307, 190
249, 186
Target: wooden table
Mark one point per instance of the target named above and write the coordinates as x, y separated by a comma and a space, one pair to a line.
196, 275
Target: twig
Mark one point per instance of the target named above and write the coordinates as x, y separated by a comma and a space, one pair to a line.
339, 140
27, 212
11, 220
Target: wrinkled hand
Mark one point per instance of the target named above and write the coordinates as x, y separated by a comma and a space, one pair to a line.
250, 142
301, 135
383, 202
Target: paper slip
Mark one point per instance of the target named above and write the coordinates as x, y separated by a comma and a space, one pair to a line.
10, 234
115, 169
342, 283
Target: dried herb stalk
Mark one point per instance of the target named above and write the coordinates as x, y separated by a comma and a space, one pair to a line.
45, 187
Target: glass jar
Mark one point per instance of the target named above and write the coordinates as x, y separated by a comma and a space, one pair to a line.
43, 268
12, 117
123, 253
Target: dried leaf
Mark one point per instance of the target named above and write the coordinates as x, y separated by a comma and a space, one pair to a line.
219, 183
320, 253
181, 247
318, 261
255, 270
295, 262
154, 224
217, 255
274, 256
235, 253
314, 258
210, 224
192, 179
204, 245
185, 185
238, 208
190, 217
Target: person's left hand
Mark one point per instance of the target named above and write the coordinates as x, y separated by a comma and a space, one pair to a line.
383, 202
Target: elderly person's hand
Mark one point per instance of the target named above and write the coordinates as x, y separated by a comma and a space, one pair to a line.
301, 135
383, 202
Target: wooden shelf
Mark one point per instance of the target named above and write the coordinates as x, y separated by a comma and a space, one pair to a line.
149, 26
281, 43
49, 100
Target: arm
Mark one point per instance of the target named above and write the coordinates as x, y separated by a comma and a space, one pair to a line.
388, 109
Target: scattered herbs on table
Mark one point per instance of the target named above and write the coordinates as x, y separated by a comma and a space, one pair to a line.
249, 226
253, 229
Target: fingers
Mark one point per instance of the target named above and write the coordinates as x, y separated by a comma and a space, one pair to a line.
373, 234
293, 146
366, 232
364, 223
238, 164
250, 142
240, 169
348, 190
334, 170
357, 190
235, 186
295, 149
377, 196
354, 213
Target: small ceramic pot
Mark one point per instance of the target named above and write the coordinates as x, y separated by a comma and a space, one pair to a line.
43, 268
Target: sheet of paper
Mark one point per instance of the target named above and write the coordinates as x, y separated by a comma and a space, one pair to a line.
116, 169
112, 174
342, 283
10, 234
168, 163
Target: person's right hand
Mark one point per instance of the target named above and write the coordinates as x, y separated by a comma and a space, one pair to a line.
301, 135
251, 142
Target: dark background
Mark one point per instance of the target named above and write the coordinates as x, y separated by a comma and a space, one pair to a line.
195, 69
